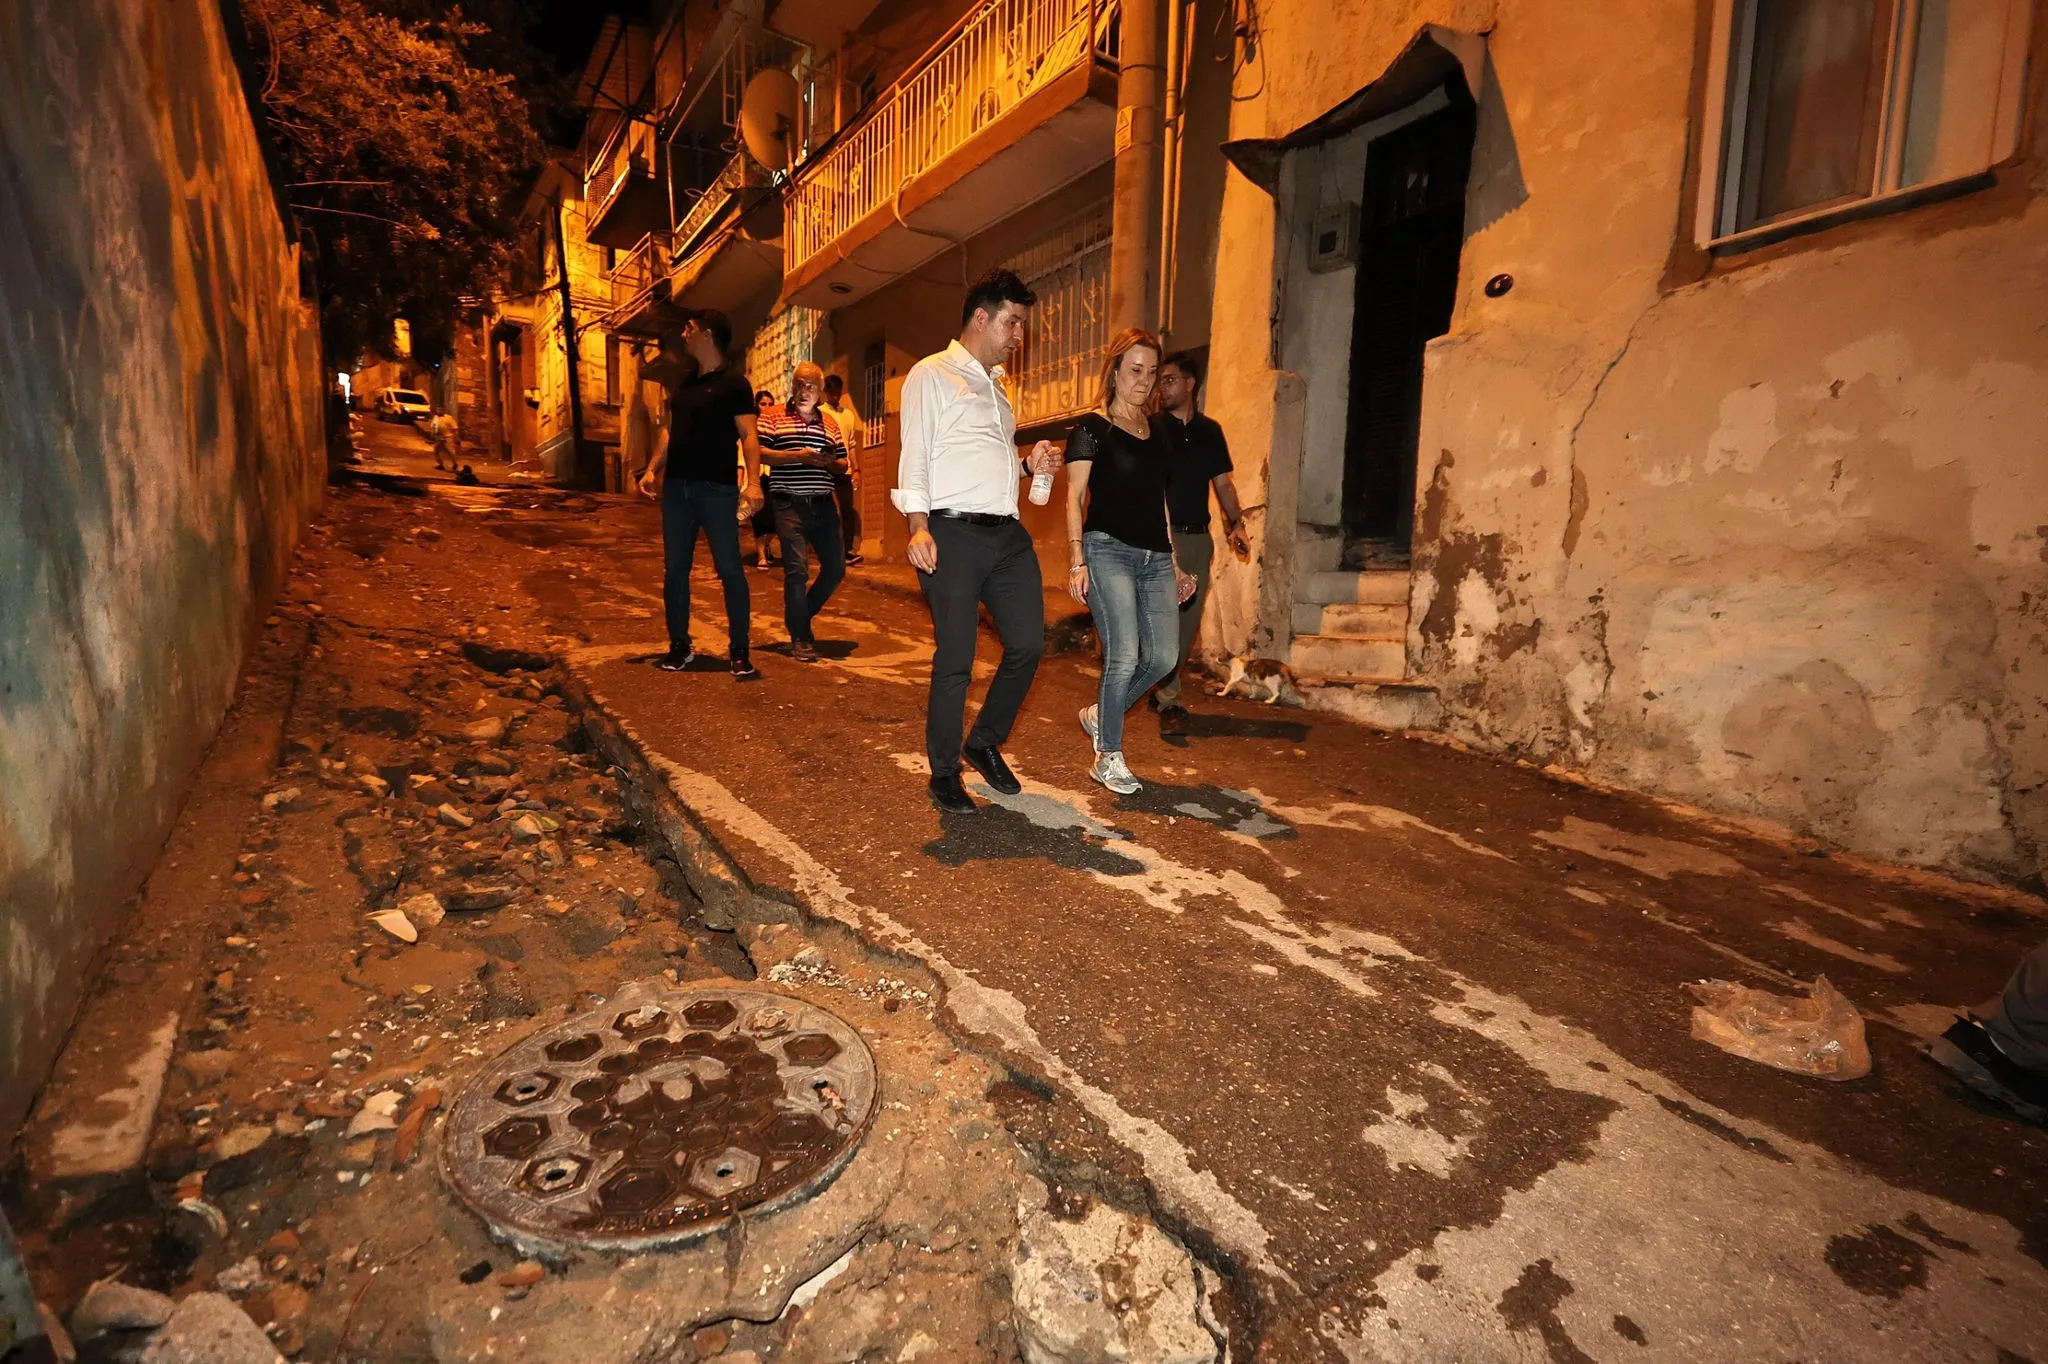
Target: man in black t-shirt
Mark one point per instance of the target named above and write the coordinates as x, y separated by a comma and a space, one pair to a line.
1201, 462
703, 469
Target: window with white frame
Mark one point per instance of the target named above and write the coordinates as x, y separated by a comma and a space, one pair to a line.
1819, 108
874, 387
1056, 370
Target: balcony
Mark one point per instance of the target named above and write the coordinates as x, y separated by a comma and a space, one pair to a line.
640, 283
728, 246
1020, 101
624, 186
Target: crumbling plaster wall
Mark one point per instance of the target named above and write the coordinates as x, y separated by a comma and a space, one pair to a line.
160, 437
1771, 542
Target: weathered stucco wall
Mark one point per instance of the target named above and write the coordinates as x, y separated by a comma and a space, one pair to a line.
1771, 542
161, 447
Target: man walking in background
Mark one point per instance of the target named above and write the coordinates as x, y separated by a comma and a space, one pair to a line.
703, 471
801, 446
957, 485
1201, 462
847, 479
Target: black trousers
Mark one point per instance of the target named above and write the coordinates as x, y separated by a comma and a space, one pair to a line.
808, 526
996, 567
688, 506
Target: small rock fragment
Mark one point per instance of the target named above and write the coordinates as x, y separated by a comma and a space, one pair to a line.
245, 1276
395, 922
278, 800
488, 730
374, 784
283, 1243
112, 1306
711, 1340
525, 828
525, 1274
207, 1068
454, 818
425, 909
241, 1141
378, 1114
360, 1155
208, 1328
408, 1139
476, 1273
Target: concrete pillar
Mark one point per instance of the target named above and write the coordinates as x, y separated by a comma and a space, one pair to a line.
1140, 94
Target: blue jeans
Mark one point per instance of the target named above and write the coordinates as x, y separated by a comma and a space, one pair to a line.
807, 525
1132, 595
686, 506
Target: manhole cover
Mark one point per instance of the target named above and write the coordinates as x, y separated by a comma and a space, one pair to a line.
650, 1121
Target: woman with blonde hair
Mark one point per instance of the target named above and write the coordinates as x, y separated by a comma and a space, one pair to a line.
1120, 556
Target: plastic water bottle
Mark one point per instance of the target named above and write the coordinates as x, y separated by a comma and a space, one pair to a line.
1041, 489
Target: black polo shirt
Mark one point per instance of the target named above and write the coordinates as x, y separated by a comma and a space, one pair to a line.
1200, 455
703, 442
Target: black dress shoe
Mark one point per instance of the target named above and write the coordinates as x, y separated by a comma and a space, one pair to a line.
950, 796
989, 762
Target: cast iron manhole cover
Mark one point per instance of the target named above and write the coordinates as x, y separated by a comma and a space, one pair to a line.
655, 1118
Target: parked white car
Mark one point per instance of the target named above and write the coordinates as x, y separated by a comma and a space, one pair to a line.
402, 405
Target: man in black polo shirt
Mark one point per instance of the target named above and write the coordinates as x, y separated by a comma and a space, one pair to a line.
703, 467
1202, 462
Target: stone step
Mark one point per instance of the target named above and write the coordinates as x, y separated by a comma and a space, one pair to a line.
1380, 702
1353, 620
1341, 656
1386, 588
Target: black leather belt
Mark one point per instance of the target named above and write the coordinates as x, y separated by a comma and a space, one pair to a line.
971, 518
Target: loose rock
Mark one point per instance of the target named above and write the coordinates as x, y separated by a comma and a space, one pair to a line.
208, 1328
425, 910
112, 1306
395, 922
240, 1142
378, 1114
454, 818
1110, 1286
525, 1274
488, 730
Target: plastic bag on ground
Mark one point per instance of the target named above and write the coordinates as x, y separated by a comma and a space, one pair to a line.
1819, 1034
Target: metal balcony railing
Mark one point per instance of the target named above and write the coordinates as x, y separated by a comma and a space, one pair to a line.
632, 142
635, 272
1001, 54
739, 173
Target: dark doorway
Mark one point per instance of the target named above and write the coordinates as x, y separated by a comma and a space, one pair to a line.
1412, 222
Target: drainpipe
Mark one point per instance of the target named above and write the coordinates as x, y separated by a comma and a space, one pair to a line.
578, 475
1135, 214
1177, 43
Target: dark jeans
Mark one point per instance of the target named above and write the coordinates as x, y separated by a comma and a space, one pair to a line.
1197, 557
849, 510
807, 525
686, 506
994, 566
1132, 596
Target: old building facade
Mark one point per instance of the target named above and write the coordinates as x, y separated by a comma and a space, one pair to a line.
1657, 391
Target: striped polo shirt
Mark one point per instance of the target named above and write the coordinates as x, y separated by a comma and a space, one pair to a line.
782, 431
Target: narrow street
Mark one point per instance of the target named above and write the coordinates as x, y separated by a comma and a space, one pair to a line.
1394, 1037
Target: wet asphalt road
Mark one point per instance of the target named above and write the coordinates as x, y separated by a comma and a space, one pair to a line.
1401, 1030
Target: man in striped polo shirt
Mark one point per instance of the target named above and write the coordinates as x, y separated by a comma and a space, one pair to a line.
802, 447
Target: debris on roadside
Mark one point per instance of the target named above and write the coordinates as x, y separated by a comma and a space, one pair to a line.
1821, 1034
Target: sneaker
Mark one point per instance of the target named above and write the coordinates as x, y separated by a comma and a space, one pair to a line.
1091, 723
743, 669
673, 662
856, 558
1967, 1052
1109, 769
803, 651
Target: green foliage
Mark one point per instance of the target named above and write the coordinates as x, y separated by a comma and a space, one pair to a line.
404, 155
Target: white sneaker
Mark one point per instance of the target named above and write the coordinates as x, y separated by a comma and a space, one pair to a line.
1091, 725
1109, 769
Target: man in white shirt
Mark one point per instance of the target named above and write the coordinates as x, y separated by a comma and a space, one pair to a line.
957, 483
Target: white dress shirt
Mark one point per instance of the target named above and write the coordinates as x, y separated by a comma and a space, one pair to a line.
959, 438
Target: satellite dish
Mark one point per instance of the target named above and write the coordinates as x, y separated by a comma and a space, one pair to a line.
768, 112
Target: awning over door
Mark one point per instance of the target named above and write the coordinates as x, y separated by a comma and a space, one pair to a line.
1434, 54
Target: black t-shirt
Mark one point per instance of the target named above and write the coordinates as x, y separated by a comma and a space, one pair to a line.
1201, 456
1127, 488
703, 443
